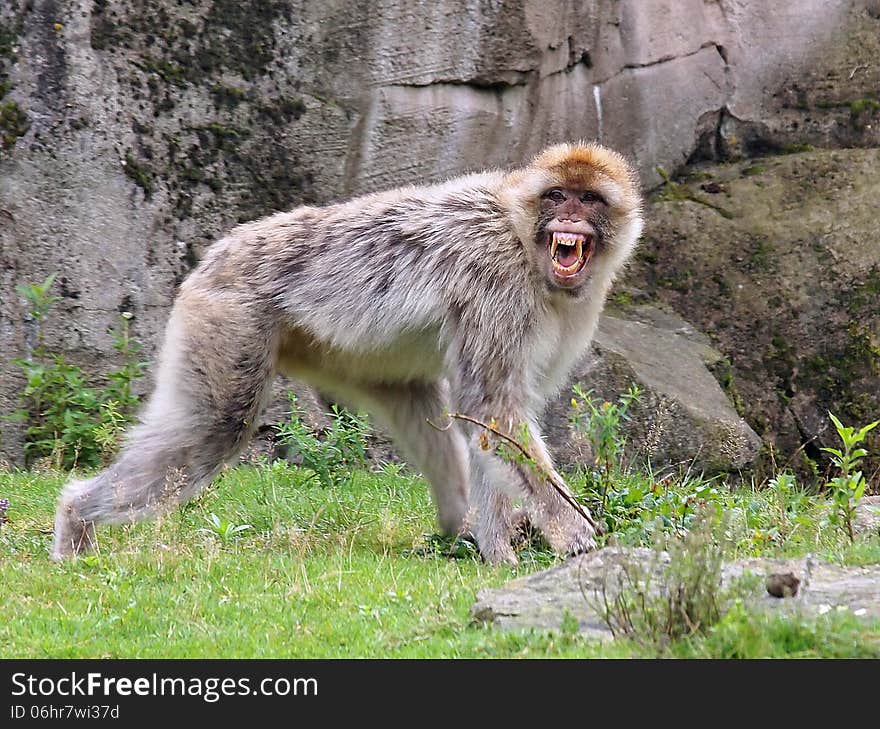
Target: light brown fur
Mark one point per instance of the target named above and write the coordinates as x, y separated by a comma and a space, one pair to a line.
410, 303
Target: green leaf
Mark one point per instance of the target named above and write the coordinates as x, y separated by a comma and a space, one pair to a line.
869, 427
841, 428
860, 489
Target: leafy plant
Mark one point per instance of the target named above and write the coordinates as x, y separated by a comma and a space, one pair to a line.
785, 492
333, 455
675, 593
848, 487
67, 418
448, 547
639, 505
348, 433
38, 298
119, 388
601, 424
226, 530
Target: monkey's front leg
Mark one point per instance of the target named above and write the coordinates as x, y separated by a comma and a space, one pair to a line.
567, 529
492, 507
408, 411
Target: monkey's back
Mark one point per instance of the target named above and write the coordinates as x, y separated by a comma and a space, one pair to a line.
375, 284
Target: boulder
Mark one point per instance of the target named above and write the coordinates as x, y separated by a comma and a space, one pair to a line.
777, 260
867, 517
683, 416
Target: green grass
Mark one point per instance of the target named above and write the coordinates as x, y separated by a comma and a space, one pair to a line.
320, 573
329, 572
741, 634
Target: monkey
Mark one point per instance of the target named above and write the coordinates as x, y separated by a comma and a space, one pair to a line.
475, 295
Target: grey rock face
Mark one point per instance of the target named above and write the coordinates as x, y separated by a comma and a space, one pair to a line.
544, 599
133, 135
867, 516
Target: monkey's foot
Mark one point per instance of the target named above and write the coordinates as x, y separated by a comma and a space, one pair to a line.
494, 531
500, 554
569, 533
72, 535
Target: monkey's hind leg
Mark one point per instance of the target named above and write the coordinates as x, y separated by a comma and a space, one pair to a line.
414, 413
214, 372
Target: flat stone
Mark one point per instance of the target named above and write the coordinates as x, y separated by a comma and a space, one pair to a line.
543, 600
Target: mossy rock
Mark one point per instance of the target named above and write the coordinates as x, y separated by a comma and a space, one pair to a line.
786, 286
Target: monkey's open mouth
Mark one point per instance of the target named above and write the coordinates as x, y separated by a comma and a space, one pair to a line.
570, 252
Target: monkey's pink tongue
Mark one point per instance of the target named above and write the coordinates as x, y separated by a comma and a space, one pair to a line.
567, 260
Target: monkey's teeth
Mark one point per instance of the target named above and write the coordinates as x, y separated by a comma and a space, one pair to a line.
565, 239
568, 240
576, 246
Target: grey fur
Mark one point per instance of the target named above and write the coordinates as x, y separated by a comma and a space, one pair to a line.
410, 303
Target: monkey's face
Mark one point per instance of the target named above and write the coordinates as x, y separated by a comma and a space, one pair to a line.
569, 235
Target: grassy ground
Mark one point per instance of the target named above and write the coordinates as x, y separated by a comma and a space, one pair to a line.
342, 572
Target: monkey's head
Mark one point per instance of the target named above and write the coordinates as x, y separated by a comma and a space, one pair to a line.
578, 214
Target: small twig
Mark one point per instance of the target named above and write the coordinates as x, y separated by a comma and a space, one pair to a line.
860, 67
85, 534
809, 563
800, 448
874, 475
693, 460
554, 479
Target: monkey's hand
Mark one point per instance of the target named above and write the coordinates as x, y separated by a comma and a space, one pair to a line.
567, 531
499, 552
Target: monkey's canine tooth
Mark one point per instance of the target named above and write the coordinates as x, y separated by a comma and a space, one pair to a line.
554, 244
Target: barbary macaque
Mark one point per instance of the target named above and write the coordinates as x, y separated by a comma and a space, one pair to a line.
472, 296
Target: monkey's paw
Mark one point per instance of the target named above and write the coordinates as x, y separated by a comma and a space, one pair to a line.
499, 552
570, 534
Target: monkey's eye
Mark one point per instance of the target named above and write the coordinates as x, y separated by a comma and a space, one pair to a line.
592, 197
556, 195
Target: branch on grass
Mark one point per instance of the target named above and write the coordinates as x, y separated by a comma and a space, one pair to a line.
553, 478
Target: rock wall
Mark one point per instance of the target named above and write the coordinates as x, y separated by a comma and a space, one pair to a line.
132, 133
778, 260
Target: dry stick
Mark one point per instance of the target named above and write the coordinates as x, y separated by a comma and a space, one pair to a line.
874, 475
800, 448
82, 538
554, 479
